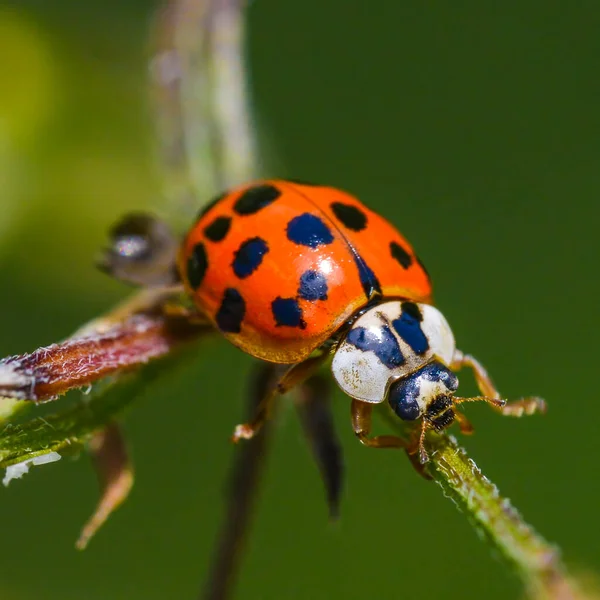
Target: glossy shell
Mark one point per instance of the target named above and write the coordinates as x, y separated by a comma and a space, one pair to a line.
388, 342
280, 266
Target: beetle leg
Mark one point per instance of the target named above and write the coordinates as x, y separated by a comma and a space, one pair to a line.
518, 408
362, 413
483, 380
524, 406
466, 427
293, 377
174, 309
115, 474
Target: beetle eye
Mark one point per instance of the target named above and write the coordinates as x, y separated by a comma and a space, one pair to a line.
142, 251
402, 397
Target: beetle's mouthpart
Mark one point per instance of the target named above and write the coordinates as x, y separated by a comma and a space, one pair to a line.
440, 413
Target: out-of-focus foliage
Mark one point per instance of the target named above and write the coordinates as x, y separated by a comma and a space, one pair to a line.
28, 99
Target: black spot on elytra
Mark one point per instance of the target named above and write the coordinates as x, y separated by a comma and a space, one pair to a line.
385, 346
408, 327
256, 198
249, 257
197, 265
218, 229
401, 255
308, 230
287, 313
231, 312
313, 286
349, 216
211, 204
423, 267
368, 279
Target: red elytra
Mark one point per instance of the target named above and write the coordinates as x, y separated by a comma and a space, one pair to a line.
279, 266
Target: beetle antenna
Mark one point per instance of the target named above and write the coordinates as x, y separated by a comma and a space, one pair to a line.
497, 402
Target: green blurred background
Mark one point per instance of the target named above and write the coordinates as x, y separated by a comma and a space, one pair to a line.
474, 126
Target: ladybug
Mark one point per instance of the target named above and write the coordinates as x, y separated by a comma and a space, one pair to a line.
302, 275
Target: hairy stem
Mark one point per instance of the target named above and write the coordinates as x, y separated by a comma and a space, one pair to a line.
536, 561
68, 430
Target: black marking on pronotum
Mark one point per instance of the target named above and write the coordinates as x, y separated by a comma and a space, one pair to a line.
308, 230
256, 198
401, 255
408, 327
231, 312
287, 313
249, 257
313, 286
218, 229
385, 346
197, 265
349, 216
413, 310
211, 204
368, 279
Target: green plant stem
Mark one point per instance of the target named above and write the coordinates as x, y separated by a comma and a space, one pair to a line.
494, 516
536, 561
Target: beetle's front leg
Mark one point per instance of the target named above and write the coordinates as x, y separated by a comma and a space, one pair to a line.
518, 408
362, 413
294, 376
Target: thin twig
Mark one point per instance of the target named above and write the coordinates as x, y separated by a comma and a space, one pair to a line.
200, 94
241, 495
127, 337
